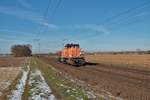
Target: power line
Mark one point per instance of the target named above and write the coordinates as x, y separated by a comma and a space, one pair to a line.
132, 19
127, 21
127, 18
45, 18
125, 12
47, 9
57, 6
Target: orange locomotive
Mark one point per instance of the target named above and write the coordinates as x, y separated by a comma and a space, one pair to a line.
71, 54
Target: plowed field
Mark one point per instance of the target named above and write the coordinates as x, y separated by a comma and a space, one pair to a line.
131, 83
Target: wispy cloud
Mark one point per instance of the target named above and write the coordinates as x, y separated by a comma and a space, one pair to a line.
24, 4
24, 14
141, 14
19, 33
131, 19
34, 17
90, 27
6, 40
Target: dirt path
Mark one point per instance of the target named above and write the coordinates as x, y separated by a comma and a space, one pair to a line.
17, 93
124, 82
39, 89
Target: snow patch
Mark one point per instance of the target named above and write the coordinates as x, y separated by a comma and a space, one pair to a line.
17, 94
40, 89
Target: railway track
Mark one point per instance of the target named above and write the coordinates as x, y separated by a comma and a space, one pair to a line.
124, 82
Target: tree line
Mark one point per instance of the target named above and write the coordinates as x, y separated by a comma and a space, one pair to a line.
21, 50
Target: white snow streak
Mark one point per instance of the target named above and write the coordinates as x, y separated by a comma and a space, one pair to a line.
17, 94
41, 90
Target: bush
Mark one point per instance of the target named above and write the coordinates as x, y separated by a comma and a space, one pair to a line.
148, 52
21, 50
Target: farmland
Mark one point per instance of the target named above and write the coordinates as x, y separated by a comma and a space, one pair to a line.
123, 60
115, 75
30, 78
10, 70
12, 61
7, 75
102, 77
74, 50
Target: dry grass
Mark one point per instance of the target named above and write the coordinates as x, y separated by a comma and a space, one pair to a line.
7, 75
127, 59
10, 68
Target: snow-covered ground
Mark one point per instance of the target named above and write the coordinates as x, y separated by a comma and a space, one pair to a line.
7, 75
40, 89
17, 94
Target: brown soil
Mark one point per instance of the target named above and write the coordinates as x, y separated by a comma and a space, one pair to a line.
128, 83
12, 61
134, 60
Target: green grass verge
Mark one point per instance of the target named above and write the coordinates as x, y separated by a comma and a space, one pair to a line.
63, 89
26, 93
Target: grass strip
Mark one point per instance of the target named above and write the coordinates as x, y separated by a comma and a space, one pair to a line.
63, 89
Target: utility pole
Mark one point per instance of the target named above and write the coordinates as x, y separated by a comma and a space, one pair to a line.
38, 45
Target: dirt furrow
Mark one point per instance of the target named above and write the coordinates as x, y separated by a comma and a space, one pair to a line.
123, 82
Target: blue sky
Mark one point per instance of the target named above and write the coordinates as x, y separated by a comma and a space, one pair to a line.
97, 25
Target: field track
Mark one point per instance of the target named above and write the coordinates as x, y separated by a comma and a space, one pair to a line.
128, 83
